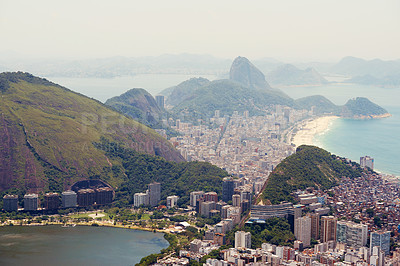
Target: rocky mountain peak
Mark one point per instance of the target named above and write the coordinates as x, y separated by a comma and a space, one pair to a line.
244, 72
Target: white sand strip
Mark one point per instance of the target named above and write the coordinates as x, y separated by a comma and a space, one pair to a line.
311, 128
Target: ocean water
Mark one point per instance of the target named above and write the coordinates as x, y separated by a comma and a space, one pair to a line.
103, 89
378, 138
80, 245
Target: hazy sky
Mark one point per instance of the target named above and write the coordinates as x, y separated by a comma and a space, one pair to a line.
291, 30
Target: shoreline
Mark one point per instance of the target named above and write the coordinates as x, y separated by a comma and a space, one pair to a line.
104, 224
308, 129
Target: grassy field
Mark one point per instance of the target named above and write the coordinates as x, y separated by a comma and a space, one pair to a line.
145, 216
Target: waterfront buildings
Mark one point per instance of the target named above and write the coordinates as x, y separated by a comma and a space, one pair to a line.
242, 239
86, 197
10, 203
31, 202
367, 161
104, 195
69, 199
51, 201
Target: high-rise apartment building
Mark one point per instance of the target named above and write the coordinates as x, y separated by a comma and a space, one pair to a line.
315, 225
236, 200
228, 188
104, 195
328, 228
352, 234
242, 239
380, 239
51, 201
211, 196
206, 207
86, 197
154, 193
367, 161
302, 230
194, 196
172, 201
10, 203
31, 202
140, 199
69, 199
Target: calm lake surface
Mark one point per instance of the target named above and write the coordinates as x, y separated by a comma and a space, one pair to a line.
80, 245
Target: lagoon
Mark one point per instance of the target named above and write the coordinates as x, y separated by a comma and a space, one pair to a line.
80, 245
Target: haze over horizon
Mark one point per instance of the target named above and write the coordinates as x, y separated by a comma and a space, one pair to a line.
286, 30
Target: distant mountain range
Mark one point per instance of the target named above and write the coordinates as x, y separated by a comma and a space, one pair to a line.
375, 72
290, 75
369, 72
247, 89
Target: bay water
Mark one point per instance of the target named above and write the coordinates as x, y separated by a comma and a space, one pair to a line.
80, 245
350, 138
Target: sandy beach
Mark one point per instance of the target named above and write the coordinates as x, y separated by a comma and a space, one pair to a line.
310, 128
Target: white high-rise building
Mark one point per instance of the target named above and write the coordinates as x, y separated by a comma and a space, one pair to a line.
352, 234
194, 196
172, 201
140, 199
242, 239
302, 230
367, 161
69, 199
31, 202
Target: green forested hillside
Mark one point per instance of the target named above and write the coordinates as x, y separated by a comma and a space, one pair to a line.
229, 96
176, 178
310, 166
47, 134
362, 107
321, 104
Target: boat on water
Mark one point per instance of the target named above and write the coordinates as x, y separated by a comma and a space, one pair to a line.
69, 225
